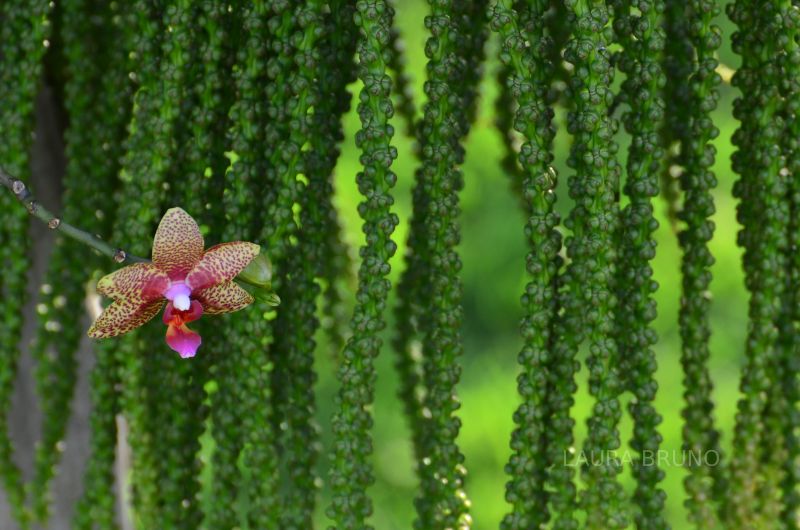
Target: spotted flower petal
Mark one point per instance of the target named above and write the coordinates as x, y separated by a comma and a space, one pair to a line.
221, 263
223, 298
123, 316
178, 244
138, 283
183, 340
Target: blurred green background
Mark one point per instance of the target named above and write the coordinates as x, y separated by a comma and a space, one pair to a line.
493, 250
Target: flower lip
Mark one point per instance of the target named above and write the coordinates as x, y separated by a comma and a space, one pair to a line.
176, 317
183, 340
178, 293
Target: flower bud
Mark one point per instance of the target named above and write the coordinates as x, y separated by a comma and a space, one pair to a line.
258, 272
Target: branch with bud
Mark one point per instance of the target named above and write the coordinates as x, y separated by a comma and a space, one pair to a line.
256, 278
24, 195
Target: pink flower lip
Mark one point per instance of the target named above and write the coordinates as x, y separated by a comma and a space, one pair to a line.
179, 337
183, 340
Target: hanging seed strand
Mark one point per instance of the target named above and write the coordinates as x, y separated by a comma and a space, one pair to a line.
199, 156
336, 70
678, 65
638, 28
24, 36
695, 159
237, 344
790, 315
297, 316
404, 94
471, 17
763, 213
352, 473
251, 331
94, 57
142, 174
527, 86
594, 221
442, 502
296, 323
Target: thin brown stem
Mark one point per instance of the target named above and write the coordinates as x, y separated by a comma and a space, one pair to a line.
28, 200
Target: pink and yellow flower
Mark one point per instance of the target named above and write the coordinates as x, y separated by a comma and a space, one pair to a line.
190, 280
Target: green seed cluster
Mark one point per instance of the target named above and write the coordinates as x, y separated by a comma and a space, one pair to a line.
144, 168
295, 96
94, 56
471, 17
285, 190
451, 100
352, 474
678, 65
404, 95
594, 221
504, 109
240, 368
442, 502
637, 24
291, 98
336, 70
199, 157
177, 444
97, 507
525, 54
234, 112
753, 499
24, 35
788, 368
697, 96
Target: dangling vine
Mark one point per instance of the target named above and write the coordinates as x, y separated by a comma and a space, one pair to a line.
242, 350
528, 84
24, 35
637, 25
677, 64
594, 221
229, 122
764, 215
296, 322
790, 319
442, 502
93, 56
352, 474
696, 182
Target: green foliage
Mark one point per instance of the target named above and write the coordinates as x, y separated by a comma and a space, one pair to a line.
24, 32
351, 474
295, 97
239, 352
93, 55
638, 28
243, 115
696, 156
528, 84
787, 367
764, 216
594, 221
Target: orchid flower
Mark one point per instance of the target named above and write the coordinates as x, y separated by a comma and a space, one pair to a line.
188, 279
